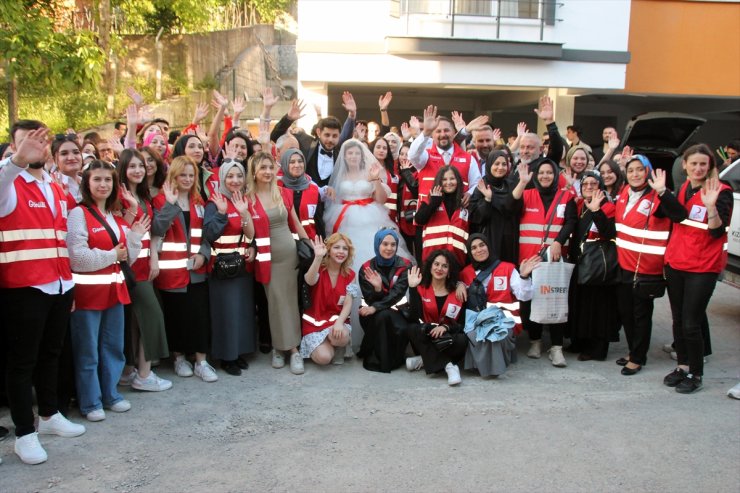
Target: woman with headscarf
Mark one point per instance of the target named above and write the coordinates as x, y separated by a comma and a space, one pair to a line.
384, 282
306, 196
489, 281
547, 217
594, 320
643, 215
228, 227
439, 313
488, 207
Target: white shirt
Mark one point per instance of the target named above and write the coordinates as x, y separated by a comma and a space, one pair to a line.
9, 201
324, 163
418, 156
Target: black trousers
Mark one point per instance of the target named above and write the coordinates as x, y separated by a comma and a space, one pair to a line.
435, 361
35, 327
535, 329
689, 294
637, 319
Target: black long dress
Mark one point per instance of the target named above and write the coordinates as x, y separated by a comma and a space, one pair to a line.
496, 221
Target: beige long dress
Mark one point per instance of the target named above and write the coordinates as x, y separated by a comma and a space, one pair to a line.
282, 290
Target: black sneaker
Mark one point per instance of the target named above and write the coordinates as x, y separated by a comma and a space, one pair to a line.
674, 378
231, 368
689, 385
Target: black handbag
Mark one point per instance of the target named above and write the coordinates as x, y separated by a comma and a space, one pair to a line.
598, 264
647, 287
230, 265
304, 249
442, 342
477, 296
410, 213
128, 273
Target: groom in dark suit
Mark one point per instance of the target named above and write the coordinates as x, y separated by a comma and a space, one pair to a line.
321, 150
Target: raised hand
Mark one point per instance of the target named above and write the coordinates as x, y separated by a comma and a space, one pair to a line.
132, 116
241, 205
613, 143
436, 191
135, 96
295, 112
414, 276
229, 150
710, 192
458, 120
545, 109
477, 123
268, 98
319, 247
373, 278
142, 225
170, 194
528, 265
33, 149
595, 203
220, 201
348, 103
263, 137
405, 131
627, 154
220, 98
116, 145
570, 178
374, 172
484, 189
238, 106
384, 101
201, 111
521, 129
129, 198
496, 134
431, 120
415, 124
525, 176
317, 109
657, 182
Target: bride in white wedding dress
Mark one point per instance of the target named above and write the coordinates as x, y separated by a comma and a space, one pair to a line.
358, 209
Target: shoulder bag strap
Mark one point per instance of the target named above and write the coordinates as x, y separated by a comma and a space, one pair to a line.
552, 216
105, 224
647, 222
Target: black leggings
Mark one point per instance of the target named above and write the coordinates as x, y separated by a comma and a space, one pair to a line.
535, 329
689, 294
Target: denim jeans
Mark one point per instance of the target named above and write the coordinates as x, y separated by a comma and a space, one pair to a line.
97, 344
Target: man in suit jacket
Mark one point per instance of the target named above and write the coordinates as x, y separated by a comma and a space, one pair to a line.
321, 150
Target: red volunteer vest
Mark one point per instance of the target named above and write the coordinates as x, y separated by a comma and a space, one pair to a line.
498, 291
396, 274
310, 199
33, 247
106, 287
262, 265
430, 314
177, 247
326, 302
406, 202
691, 248
634, 241
593, 233
141, 265
460, 160
446, 233
391, 202
229, 240
533, 222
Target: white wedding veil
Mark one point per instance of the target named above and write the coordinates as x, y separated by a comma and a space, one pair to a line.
349, 159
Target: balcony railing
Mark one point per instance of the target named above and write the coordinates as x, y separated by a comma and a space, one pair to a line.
459, 13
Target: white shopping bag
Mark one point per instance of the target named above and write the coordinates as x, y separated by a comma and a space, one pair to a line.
550, 283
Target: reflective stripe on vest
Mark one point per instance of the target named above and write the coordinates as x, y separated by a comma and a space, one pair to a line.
641, 248
100, 279
642, 233
32, 234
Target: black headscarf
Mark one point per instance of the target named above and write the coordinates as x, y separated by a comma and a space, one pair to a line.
491, 254
547, 194
492, 157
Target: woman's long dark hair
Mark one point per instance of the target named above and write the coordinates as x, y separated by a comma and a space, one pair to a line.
112, 203
388, 162
182, 143
453, 272
161, 173
438, 182
124, 160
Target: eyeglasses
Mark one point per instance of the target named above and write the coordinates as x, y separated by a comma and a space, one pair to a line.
590, 184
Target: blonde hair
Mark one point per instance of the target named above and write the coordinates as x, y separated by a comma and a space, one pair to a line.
177, 166
346, 266
275, 194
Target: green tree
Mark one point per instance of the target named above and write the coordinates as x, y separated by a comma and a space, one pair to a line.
38, 59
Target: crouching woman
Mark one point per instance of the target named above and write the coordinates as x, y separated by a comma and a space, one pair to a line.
330, 277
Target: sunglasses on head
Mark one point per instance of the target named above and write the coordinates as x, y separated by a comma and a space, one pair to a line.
66, 137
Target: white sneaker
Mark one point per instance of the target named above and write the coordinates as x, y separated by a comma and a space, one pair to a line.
205, 372
453, 374
668, 348
121, 406
414, 363
152, 383
339, 353
183, 368
126, 380
60, 426
96, 415
29, 449
734, 392
674, 356
556, 356
535, 349
278, 360
296, 364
